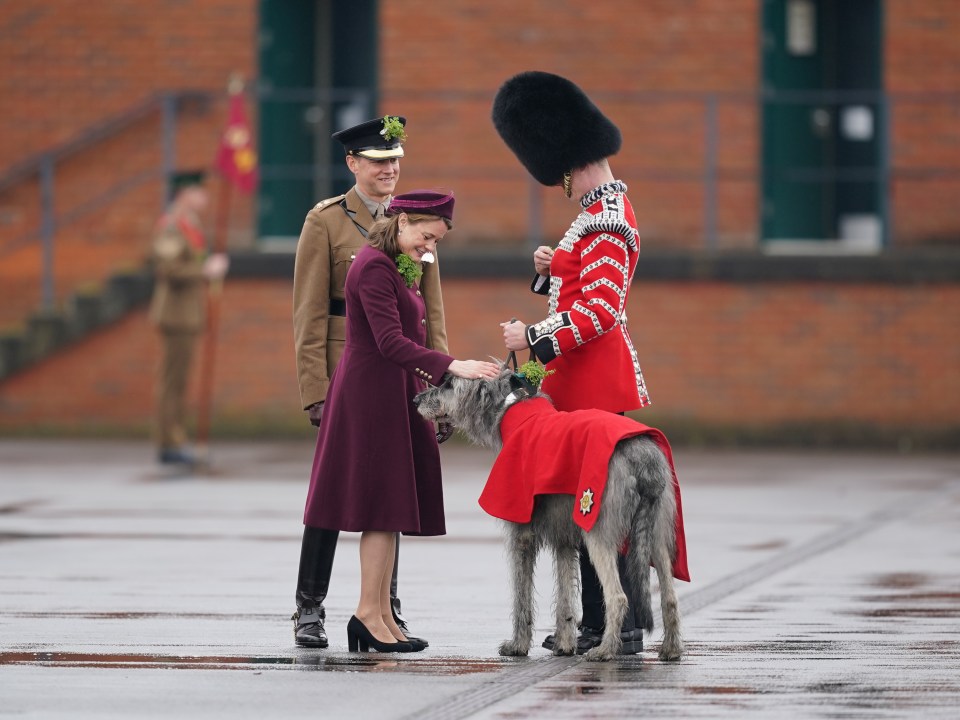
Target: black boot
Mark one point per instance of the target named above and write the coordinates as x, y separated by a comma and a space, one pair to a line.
316, 564
592, 624
398, 617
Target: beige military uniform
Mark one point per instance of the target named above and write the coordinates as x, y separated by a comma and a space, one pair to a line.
177, 309
328, 244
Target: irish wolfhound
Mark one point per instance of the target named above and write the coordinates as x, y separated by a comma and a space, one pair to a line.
638, 507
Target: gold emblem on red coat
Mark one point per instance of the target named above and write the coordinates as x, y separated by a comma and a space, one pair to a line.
586, 501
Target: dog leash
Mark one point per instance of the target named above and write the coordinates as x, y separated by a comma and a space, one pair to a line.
512, 357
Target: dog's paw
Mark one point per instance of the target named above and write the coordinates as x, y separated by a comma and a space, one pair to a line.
509, 648
670, 652
561, 650
599, 654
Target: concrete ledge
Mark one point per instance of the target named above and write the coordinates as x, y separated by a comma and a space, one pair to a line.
896, 267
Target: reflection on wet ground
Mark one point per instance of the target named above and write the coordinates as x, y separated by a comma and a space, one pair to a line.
814, 597
369, 662
116, 615
910, 595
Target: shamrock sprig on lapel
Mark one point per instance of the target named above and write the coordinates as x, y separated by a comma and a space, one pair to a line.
408, 269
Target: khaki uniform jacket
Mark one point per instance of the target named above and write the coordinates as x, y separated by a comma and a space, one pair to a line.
179, 299
328, 244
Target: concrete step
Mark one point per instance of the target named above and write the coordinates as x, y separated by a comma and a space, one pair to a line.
84, 311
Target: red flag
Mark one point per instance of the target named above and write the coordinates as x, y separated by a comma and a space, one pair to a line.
236, 158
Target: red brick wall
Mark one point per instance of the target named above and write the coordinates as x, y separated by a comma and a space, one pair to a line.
634, 59
66, 65
442, 70
857, 359
754, 354
923, 62
66, 68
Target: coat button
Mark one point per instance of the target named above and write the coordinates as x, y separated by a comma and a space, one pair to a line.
418, 293
423, 322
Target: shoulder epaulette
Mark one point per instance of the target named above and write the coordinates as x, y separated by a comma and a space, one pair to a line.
329, 202
610, 220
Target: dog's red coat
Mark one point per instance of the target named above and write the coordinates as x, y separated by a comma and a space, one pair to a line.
548, 452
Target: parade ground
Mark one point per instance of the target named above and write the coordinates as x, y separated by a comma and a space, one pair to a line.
825, 585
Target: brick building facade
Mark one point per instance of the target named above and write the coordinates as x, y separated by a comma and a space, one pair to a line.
856, 354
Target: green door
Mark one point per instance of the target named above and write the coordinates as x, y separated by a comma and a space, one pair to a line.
823, 131
318, 74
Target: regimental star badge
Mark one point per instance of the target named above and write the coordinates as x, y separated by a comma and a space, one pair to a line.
586, 501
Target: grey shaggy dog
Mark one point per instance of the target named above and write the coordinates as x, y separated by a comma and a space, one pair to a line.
638, 505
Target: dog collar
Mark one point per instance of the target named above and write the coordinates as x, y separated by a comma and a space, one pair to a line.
516, 396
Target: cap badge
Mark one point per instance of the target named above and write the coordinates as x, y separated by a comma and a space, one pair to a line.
586, 502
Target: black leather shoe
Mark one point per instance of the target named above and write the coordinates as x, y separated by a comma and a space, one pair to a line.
175, 456
405, 629
308, 627
631, 640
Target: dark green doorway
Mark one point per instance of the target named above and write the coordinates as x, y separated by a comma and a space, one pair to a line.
824, 124
318, 74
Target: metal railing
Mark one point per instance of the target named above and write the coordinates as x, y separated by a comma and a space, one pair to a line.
703, 163
44, 166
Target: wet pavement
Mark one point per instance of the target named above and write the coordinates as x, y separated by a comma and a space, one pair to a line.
825, 585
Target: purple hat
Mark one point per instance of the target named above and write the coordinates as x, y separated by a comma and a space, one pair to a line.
423, 202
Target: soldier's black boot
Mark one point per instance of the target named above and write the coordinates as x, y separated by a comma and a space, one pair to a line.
398, 617
313, 580
592, 624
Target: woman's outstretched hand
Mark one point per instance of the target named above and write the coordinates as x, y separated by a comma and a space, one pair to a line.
515, 335
472, 369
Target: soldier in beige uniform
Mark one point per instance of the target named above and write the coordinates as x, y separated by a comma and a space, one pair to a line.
181, 271
332, 234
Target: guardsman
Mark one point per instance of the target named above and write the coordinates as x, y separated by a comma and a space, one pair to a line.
564, 140
334, 230
182, 269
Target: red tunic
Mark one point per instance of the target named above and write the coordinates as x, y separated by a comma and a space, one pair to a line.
584, 338
549, 452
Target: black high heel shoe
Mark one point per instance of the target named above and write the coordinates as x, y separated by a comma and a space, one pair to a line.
359, 636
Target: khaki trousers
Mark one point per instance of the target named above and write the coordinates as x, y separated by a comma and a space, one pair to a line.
174, 372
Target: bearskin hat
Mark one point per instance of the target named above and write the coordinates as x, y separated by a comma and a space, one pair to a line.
551, 125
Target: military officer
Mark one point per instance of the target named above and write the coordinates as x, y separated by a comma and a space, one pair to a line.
334, 230
181, 270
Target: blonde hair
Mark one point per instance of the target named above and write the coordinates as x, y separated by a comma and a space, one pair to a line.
385, 233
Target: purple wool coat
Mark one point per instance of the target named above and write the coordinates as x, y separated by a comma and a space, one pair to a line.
377, 463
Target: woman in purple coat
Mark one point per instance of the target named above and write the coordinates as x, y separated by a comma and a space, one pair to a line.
377, 465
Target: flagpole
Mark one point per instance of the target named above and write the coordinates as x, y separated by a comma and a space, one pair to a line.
214, 297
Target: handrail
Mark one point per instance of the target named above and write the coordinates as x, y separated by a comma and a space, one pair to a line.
43, 166
102, 130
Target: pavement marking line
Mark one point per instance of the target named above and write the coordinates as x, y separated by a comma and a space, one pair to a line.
898, 510
510, 682
505, 684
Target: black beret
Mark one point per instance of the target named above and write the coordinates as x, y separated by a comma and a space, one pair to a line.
551, 125
180, 179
